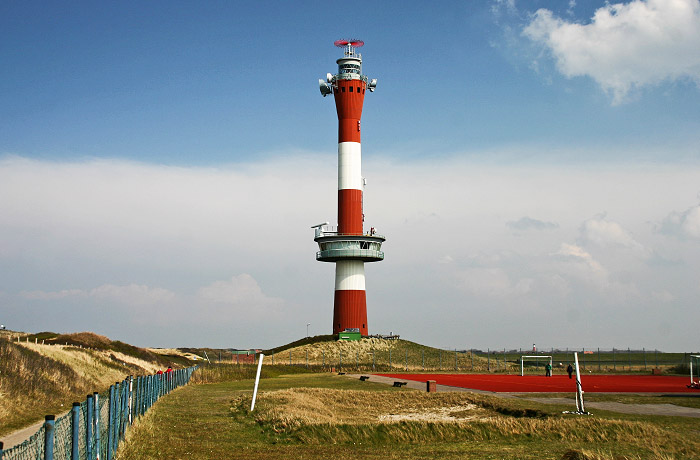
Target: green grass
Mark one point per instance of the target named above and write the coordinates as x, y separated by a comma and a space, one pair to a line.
212, 421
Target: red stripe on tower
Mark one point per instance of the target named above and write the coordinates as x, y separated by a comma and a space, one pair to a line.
350, 247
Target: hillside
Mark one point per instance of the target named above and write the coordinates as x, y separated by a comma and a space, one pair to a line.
372, 354
44, 373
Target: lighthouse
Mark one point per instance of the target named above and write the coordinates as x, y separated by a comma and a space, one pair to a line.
351, 244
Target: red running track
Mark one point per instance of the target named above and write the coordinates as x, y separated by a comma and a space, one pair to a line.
558, 383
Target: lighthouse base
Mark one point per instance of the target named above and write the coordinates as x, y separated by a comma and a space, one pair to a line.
350, 311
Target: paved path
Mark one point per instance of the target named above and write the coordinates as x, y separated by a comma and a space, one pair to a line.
643, 409
19, 436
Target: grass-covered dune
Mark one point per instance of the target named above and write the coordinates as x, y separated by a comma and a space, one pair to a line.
44, 373
376, 354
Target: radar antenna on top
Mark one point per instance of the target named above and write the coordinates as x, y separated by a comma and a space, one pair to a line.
352, 42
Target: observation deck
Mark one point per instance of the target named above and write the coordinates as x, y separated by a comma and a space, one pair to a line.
336, 246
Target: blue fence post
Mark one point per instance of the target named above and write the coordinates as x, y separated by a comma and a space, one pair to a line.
96, 421
115, 420
137, 397
125, 407
75, 431
88, 428
110, 422
49, 425
147, 395
142, 394
122, 413
151, 390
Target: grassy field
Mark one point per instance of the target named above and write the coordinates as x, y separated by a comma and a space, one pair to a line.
322, 416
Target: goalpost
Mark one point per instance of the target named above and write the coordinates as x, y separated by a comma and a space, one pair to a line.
695, 358
531, 358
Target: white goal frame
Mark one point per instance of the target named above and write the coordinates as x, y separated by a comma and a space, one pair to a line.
690, 361
522, 360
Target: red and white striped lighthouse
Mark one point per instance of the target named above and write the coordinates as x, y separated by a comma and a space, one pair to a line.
350, 245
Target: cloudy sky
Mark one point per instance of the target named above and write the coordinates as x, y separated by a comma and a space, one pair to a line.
535, 166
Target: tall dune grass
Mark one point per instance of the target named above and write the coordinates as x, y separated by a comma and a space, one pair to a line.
320, 416
38, 379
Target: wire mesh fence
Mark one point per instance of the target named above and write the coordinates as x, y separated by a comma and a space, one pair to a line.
94, 428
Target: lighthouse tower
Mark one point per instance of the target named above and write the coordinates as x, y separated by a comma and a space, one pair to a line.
351, 244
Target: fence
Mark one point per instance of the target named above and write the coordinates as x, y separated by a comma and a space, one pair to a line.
405, 356
93, 429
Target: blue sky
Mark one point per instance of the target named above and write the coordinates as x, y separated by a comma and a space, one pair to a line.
163, 161
184, 83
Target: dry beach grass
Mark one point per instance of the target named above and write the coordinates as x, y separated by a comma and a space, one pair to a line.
38, 379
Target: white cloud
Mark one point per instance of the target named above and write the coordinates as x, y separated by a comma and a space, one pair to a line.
132, 295
682, 224
497, 6
579, 255
148, 255
239, 290
625, 46
42, 295
663, 296
603, 232
446, 259
238, 302
485, 281
528, 223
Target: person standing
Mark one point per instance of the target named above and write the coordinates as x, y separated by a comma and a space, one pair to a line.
570, 369
548, 370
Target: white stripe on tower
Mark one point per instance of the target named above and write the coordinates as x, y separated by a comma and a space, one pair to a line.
349, 275
349, 165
